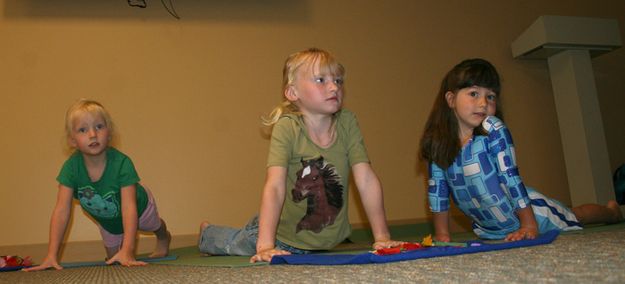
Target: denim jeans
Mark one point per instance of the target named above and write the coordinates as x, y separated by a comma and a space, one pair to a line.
221, 240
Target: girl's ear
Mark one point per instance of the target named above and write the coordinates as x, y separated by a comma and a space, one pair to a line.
72, 142
290, 93
449, 97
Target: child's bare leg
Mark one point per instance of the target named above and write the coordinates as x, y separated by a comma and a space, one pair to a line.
111, 251
595, 213
163, 238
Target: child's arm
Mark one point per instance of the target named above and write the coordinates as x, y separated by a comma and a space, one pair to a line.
438, 198
58, 225
529, 228
441, 226
272, 200
130, 220
501, 148
370, 191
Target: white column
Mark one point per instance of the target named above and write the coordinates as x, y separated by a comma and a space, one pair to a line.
568, 43
581, 127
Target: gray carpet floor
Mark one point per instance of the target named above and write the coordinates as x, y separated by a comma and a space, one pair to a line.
590, 256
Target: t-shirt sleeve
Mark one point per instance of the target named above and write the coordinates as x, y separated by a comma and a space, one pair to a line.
127, 173
501, 150
438, 189
67, 174
356, 150
281, 144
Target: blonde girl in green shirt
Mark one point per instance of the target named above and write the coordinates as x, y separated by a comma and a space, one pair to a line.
106, 184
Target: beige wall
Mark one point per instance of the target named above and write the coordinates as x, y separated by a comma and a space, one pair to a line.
187, 94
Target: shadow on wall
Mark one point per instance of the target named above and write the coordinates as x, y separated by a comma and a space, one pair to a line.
196, 10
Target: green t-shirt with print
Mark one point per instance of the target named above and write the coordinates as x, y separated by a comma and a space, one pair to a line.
102, 199
314, 215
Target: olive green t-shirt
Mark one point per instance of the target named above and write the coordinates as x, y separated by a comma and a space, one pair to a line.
314, 215
102, 199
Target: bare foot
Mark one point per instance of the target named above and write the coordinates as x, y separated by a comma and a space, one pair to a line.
203, 226
162, 246
615, 208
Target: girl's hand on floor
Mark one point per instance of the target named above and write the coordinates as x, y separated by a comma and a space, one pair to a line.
47, 263
442, 237
267, 254
521, 234
386, 244
125, 259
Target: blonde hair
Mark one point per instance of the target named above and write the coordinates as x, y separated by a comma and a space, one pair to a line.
308, 58
83, 106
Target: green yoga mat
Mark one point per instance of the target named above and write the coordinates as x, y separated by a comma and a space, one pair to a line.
192, 256
170, 257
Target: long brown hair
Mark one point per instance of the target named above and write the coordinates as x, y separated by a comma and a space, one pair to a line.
440, 142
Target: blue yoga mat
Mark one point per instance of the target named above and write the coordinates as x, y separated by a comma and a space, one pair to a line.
428, 252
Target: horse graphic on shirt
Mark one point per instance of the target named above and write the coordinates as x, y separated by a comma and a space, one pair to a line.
319, 183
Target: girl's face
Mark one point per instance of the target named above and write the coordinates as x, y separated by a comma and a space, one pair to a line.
316, 93
471, 106
90, 134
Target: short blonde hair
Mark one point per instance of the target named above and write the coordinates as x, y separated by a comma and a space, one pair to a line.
308, 58
83, 106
